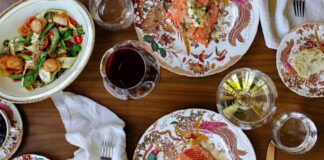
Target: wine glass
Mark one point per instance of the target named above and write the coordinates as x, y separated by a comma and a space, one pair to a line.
112, 14
129, 70
246, 97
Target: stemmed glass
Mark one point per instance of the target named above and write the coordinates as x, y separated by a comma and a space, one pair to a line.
246, 97
129, 70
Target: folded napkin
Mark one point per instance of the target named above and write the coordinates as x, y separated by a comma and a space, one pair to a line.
278, 17
87, 124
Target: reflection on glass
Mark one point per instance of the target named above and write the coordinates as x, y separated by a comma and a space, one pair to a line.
129, 71
247, 98
294, 133
112, 14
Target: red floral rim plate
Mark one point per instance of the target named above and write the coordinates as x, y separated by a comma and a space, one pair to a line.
31, 157
306, 36
176, 132
232, 35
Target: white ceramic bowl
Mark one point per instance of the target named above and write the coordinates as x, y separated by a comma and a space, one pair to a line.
14, 17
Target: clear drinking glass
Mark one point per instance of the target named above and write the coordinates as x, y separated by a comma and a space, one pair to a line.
129, 70
112, 14
246, 97
294, 133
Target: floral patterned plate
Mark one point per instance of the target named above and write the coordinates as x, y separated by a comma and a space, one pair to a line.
307, 36
14, 140
232, 35
31, 157
172, 134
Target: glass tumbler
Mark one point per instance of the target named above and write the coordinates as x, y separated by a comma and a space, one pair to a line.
129, 70
246, 97
294, 133
112, 14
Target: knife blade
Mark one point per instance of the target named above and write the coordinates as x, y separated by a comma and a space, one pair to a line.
271, 151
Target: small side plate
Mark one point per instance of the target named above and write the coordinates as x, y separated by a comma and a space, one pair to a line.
14, 140
306, 36
31, 157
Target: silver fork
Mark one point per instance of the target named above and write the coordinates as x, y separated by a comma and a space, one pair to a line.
106, 150
299, 8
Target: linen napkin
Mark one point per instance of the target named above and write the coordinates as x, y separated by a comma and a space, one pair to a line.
87, 124
278, 18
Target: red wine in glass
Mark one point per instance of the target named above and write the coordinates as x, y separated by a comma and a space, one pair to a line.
129, 70
125, 68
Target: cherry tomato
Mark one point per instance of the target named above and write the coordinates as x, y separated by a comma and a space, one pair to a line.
50, 34
26, 27
73, 22
78, 39
28, 22
68, 44
27, 52
45, 44
23, 31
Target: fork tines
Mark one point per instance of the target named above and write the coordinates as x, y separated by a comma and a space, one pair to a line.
106, 150
299, 8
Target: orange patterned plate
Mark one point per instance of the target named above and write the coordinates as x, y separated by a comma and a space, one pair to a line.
214, 41
192, 133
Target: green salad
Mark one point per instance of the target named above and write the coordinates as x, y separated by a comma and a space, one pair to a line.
48, 45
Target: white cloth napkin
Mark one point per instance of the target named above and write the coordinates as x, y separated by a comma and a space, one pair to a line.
278, 17
87, 124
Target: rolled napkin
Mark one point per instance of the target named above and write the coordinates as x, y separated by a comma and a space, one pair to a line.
87, 124
278, 18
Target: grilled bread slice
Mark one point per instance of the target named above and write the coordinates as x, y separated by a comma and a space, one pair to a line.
308, 62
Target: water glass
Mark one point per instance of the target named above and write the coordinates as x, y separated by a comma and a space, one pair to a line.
294, 133
112, 14
129, 70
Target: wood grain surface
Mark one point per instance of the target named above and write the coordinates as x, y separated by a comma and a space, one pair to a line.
44, 130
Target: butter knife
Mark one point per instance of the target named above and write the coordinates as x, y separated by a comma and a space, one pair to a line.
271, 151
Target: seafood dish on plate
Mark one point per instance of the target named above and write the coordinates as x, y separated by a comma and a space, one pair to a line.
48, 45
193, 134
205, 150
196, 38
195, 19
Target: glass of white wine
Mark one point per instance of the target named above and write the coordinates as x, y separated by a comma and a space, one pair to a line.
246, 97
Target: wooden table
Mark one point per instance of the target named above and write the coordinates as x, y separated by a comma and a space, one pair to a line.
44, 130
